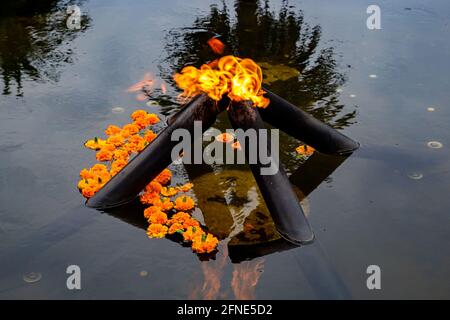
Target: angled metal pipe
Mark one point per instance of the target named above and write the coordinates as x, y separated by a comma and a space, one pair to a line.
304, 127
142, 169
287, 214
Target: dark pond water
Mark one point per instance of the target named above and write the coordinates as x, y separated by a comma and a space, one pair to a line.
386, 205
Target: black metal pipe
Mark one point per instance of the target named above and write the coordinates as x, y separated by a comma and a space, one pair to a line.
142, 169
304, 127
280, 199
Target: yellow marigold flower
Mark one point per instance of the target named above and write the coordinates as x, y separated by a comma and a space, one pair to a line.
184, 203
153, 186
176, 227
104, 155
166, 204
204, 244
158, 217
192, 233
179, 217
164, 177
186, 187
148, 212
95, 144
149, 136
305, 150
168, 191
82, 184
112, 130
156, 230
190, 223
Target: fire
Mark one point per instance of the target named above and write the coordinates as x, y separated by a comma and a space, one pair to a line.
238, 78
216, 45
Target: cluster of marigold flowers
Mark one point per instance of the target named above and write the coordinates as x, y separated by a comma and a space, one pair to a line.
116, 150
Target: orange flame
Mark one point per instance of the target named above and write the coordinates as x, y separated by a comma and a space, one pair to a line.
239, 78
216, 45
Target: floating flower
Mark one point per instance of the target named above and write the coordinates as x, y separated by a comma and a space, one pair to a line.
179, 217
192, 233
151, 211
158, 217
112, 130
129, 130
138, 114
305, 150
135, 143
190, 223
176, 227
156, 230
169, 191
149, 136
153, 186
164, 177
184, 203
186, 187
116, 140
225, 137
95, 144
104, 155
150, 198
204, 244
88, 192
118, 165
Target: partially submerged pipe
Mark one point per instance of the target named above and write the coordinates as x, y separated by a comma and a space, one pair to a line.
280, 199
304, 127
142, 169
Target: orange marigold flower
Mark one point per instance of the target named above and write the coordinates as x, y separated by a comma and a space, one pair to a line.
158, 217
225, 137
176, 227
138, 114
117, 165
129, 130
148, 212
192, 233
153, 186
135, 143
84, 173
164, 177
149, 136
179, 217
112, 130
88, 192
305, 150
150, 198
104, 155
121, 154
204, 244
166, 204
169, 191
156, 230
99, 167
152, 118
190, 223
184, 203
116, 140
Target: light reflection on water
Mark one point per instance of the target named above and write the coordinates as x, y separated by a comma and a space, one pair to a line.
60, 87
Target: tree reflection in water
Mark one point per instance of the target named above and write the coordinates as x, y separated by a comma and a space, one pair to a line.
288, 49
33, 40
